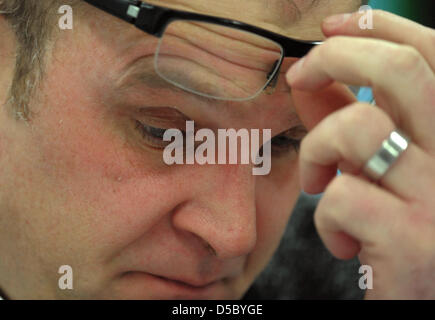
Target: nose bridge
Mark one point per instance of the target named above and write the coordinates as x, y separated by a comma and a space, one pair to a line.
222, 210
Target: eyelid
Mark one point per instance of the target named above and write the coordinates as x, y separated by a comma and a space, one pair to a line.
293, 142
295, 132
158, 123
299, 129
152, 141
162, 117
162, 112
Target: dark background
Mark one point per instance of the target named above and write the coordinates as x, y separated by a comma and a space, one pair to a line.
302, 268
421, 11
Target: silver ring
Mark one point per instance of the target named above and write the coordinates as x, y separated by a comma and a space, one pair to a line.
383, 159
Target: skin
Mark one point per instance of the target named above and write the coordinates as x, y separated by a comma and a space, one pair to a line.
81, 187
392, 227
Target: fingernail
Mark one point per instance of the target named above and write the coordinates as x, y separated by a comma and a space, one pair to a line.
294, 70
336, 20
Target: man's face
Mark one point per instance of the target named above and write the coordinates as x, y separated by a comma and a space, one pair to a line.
84, 187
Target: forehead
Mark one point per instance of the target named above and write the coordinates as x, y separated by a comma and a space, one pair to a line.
296, 18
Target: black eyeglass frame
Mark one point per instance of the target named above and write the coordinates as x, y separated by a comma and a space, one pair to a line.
154, 19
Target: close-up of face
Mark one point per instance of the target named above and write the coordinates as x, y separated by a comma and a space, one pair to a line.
83, 181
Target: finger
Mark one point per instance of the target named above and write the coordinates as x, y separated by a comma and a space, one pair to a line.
354, 213
312, 107
386, 26
403, 83
352, 136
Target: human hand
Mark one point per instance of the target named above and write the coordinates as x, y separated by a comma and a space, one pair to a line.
391, 224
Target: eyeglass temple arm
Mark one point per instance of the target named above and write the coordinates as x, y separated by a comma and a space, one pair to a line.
118, 8
142, 15
153, 20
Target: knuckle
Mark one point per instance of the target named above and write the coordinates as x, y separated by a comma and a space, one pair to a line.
307, 143
362, 115
334, 40
365, 126
337, 189
405, 59
322, 213
316, 51
304, 144
356, 114
320, 216
335, 192
329, 47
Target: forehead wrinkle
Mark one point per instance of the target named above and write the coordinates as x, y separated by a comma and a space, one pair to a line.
278, 13
289, 12
142, 73
286, 11
235, 111
137, 75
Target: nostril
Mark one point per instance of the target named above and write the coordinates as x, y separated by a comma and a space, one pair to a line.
208, 247
211, 250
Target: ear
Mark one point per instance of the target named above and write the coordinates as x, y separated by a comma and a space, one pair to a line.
312, 107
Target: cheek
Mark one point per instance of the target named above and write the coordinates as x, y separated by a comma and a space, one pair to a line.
97, 187
276, 196
106, 193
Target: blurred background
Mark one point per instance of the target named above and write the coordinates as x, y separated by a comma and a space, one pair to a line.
422, 11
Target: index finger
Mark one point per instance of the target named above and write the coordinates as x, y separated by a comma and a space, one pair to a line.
312, 107
386, 26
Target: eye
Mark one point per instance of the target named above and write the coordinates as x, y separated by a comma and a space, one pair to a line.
287, 141
152, 135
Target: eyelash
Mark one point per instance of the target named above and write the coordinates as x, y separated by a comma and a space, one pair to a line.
155, 140
280, 143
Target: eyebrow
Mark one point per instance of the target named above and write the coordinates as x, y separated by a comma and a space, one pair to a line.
144, 73
138, 74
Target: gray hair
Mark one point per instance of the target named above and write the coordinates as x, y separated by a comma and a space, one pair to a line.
30, 20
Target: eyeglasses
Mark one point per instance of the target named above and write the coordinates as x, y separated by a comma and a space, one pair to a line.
209, 56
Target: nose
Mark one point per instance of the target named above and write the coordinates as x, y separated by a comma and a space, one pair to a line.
221, 210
